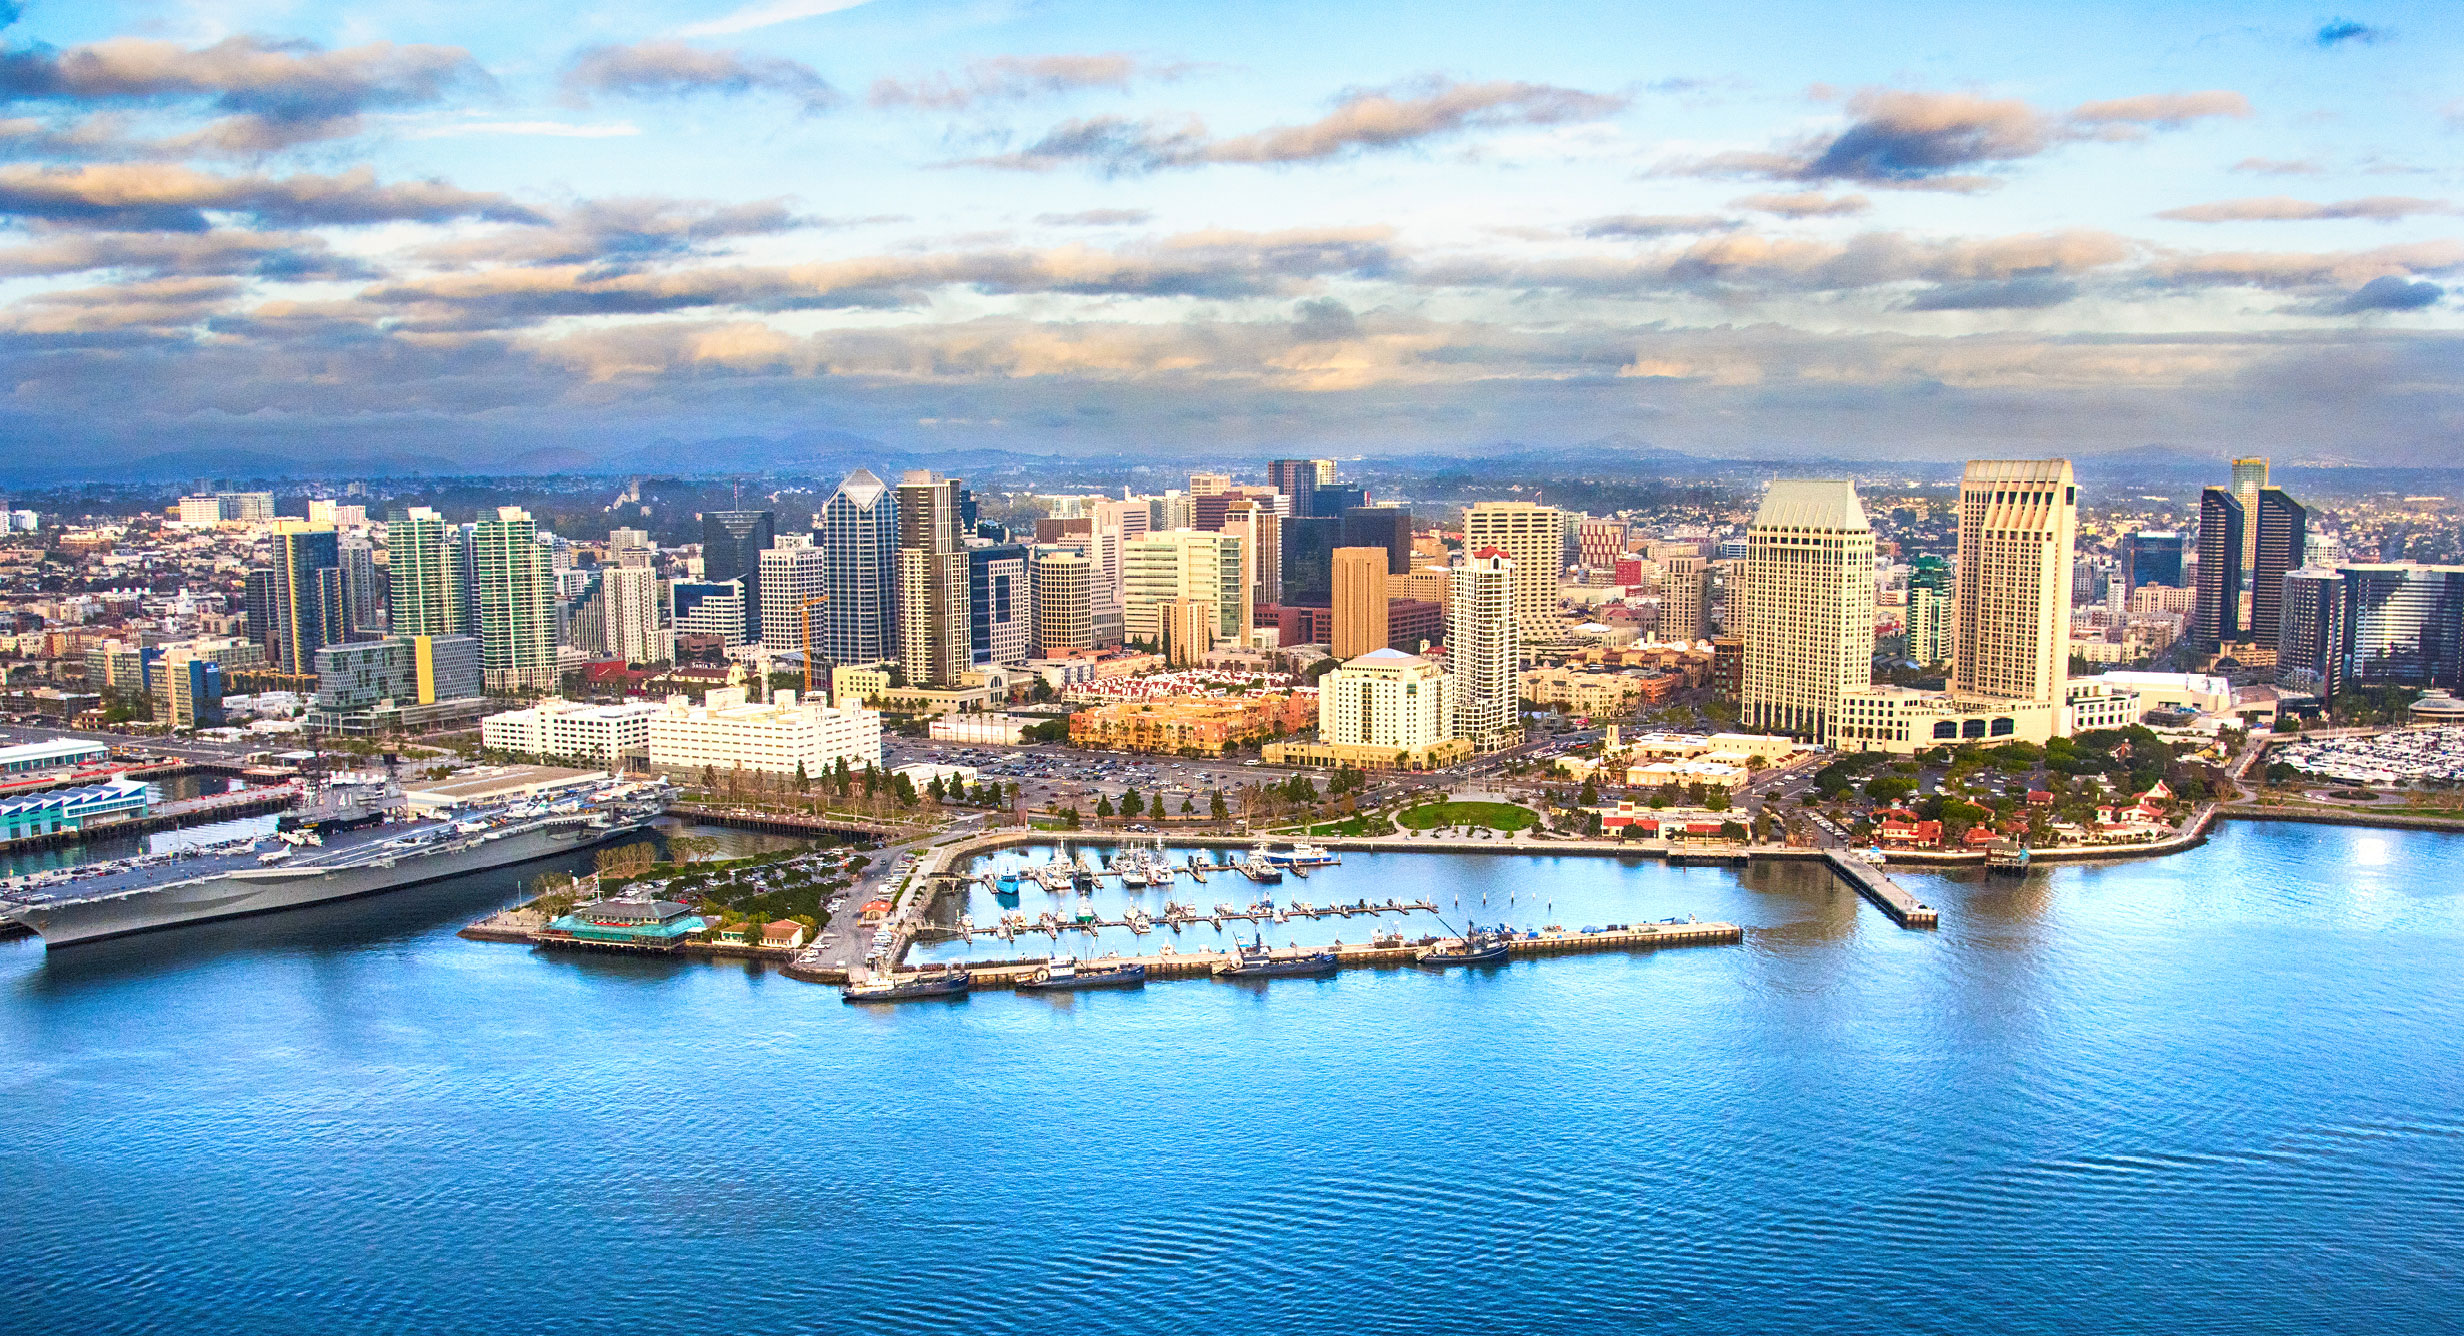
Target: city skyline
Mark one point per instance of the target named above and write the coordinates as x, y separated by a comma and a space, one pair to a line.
590, 230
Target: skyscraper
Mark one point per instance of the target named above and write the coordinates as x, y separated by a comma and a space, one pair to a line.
857, 531
517, 603
1683, 581
1186, 564
1359, 601
793, 574
1929, 611
2404, 625
2310, 633
1062, 583
2249, 475
1484, 646
2152, 557
363, 591
1261, 531
1299, 479
932, 581
1388, 527
636, 616
1534, 536
732, 544
1804, 606
307, 608
1331, 499
2215, 617
2280, 525
2010, 624
999, 611
1308, 560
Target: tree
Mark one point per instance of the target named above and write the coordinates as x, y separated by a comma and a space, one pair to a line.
872, 779
1189, 805
1717, 800
1215, 806
1131, 804
710, 779
1069, 818
804, 782
905, 790
1103, 806
1590, 796
938, 793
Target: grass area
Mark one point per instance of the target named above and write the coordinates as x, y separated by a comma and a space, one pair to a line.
1496, 816
1354, 827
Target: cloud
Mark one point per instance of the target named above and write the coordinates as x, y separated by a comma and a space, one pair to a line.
225, 251
2337, 32
172, 198
766, 15
2279, 208
1015, 78
2280, 166
1804, 204
1746, 266
663, 68
2025, 293
616, 234
1095, 218
1657, 225
1323, 320
544, 129
2312, 269
2385, 294
1904, 140
273, 94
1363, 120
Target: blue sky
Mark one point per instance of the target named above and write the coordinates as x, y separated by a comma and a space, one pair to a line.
480, 233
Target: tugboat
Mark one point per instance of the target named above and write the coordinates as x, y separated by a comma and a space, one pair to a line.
1477, 947
939, 983
1060, 975
1256, 962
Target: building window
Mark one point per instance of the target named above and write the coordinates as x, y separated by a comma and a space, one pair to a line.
2004, 727
1973, 728
1946, 729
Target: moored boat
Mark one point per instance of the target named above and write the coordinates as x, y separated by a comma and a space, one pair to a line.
939, 983
1477, 948
1073, 976
1255, 961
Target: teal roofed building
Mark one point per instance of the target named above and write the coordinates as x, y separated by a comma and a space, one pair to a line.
652, 923
71, 809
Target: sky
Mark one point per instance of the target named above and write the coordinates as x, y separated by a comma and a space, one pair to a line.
516, 235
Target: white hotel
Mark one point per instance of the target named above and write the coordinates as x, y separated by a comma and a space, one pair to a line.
606, 735
726, 732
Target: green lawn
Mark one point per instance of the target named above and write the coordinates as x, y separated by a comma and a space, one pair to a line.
1496, 816
1354, 826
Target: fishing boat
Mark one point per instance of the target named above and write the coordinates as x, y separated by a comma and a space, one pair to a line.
1063, 975
1259, 868
928, 984
1255, 961
1478, 947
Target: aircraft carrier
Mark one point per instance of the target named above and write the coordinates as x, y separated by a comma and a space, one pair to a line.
354, 840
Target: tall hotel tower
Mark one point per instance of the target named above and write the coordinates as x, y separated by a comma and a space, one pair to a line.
1805, 607
2010, 597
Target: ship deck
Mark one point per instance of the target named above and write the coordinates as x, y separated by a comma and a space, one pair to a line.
341, 848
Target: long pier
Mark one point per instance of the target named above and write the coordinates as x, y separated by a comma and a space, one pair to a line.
169, 816
1170, 964
1876, 885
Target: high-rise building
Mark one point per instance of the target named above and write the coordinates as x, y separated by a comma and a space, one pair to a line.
2280, 524
2404, 625
2011, 593
1387, 699
794, 576
1063, 585
732, 544
711, 608
1804, 606
1929, 611
857, 531
1388, 527
363, 589
516, 602
932, 581
1000, 615
1209, 484
1299, 479
2216, 615
635, 615
1599, 543
2310, 633
1186, 564
1185, 630
1534, 536
1308, 567
1359, 601
2152, 557
1484, 646
306, 604
2249, 475
1684, 584
1261, 531
1331, 499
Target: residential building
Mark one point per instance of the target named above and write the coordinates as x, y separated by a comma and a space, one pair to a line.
1929, 611
1389, 701
726, 732
1359, 578
1484, 638
1533, 537
638, 624
1000, 613
1804, 607
853, 686
608, 736
1185, 564
857, 531
2404, 625
363, 590
2249, 477
423, 560
2310, 633
516, 602
710, 608
2216, 615
2011, 593
932, 581
732, 544
1684, 583
399, 682
1186, 630
2279, 526
306, 604
186, 681
794, 576
1192, 725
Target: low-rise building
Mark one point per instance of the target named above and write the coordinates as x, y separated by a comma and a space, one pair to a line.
1905, 720
604, 735
54, 811
728, 732
1191, 725
980, 730
652, 923
1384, 710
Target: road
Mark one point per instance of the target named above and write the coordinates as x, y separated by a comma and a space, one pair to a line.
846, 937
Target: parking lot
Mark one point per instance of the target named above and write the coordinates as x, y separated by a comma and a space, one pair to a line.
1067, 775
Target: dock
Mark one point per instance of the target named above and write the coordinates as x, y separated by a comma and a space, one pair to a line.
1170, 964
199, 811
1876, 885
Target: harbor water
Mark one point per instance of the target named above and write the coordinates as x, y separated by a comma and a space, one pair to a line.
2219, 1092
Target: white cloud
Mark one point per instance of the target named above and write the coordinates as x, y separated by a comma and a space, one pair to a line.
552, 129
765, 15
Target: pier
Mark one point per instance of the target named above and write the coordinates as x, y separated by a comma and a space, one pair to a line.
806, 824
1876, 885
169, 816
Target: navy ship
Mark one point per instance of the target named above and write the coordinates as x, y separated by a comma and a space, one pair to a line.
928, 984
1071, 976
1254, 961
354, 838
